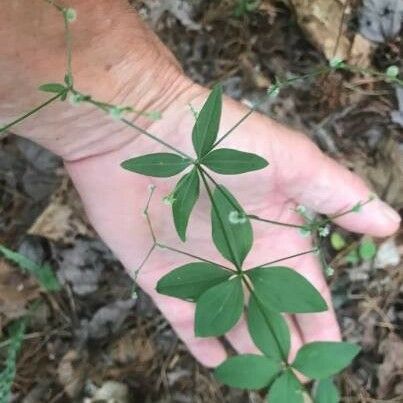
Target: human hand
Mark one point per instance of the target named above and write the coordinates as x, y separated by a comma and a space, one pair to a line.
141, 73
298, 174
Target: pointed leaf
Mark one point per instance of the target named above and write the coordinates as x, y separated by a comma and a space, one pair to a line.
207, 123
321, 359
55, 88
219, 308
159, 164
286, 389
284, 290
190, 281
247, 371
43, 273
230, 225
231, 162
185, 197
269, 330
326, 392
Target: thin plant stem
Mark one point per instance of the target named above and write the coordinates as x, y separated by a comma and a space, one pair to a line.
30, 113
250, 216
254, 108
181, 252
158, 140
68, 41
288, 257
106, 107
274, 222
137, 271
171, 248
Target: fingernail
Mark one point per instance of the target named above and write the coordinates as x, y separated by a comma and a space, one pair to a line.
389, 212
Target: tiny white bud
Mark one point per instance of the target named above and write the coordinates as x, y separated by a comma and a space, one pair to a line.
324, 231
75, 99
116, 113
392, 71
71, 14
329, 271
301, 209
169, 200
233, 217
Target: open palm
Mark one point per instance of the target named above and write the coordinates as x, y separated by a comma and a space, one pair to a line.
298, 174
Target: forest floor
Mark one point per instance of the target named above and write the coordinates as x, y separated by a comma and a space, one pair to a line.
92, 341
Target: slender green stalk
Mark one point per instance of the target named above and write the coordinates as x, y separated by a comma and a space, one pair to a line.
250, 216
106, 108
277, 86
30, 113
288, 257
181, 252
68, 41
274, 222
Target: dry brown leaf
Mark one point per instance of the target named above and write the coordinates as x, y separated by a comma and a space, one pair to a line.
391, 370
131, 347
64, 218
16, 292
71, 372
321, 20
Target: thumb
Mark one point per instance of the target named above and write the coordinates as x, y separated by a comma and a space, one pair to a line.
331, 189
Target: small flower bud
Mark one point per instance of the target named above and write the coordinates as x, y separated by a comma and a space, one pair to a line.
392, 71
71, 14
324, 231
336, 63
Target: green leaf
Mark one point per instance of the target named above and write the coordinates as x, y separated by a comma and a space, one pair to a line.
284, 290
160, 165
190, 281
321, 359
286, 389
207, 123
55, 88
326, 392
7, 375
43, 273
232, 236
269, 331
231, 162
337, 241
247, 371
219, 308
185, 197
367, 249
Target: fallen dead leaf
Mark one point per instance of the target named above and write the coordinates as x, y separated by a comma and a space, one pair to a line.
391, 370
71, 372
64, 218
16, 292
324, 23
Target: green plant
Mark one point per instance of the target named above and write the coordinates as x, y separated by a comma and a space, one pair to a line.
16, 332
243, 7
43, 274
219, 291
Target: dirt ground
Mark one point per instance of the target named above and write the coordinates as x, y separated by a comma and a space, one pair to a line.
93, 342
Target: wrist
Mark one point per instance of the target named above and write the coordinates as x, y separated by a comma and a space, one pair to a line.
116, 59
